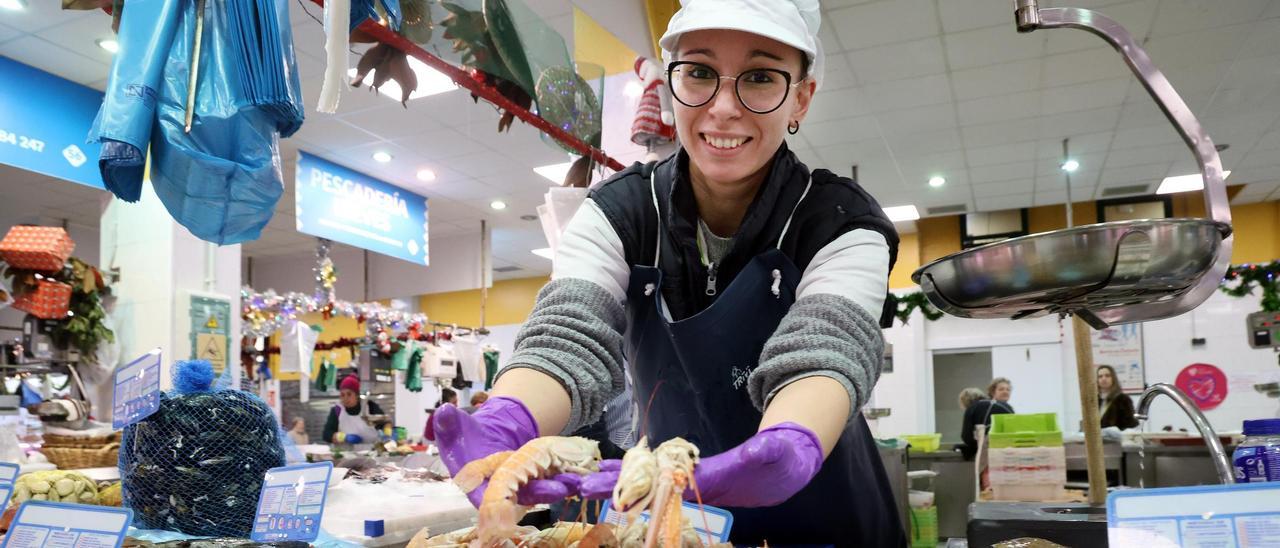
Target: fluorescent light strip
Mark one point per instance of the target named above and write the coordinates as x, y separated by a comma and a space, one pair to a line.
1185, 183
554, 172
544, 253
900, 214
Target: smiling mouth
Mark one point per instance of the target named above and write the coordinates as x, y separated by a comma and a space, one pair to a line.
725, 143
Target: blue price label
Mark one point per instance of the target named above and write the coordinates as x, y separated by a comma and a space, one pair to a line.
8, 473
58, 525
292, 503
137, 390
712, 524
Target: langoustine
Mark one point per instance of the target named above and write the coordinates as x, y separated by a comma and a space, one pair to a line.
540, 458
655, 481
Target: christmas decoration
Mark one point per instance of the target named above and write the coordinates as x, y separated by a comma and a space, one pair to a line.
910, 302
326, 274
48, 300
387, 63
38, 248
567, 100
1242, 279
653, 126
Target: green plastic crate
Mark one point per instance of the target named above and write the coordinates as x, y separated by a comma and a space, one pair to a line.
924, 527
1029, 430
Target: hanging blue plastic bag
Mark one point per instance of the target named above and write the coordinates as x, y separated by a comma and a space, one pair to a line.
222, 180
125, 121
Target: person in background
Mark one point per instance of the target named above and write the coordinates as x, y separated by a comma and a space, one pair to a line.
978, 409
477, 400
1000, 390
299, 432
448, 396
1114, 406
348, 422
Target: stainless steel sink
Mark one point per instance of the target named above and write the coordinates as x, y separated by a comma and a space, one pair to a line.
1078, 510
1065, 524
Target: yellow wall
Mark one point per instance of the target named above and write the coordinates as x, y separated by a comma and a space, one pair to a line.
1257, 232
510, 301
593, 43
908, 261
333, 329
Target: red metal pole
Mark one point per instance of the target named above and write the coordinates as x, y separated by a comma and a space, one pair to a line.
459, 76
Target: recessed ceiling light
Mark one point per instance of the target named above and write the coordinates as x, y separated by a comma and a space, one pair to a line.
1185, 183
899, 214
426, 175
937, 182
498, 205
544, 253
1070, 166
554, 172
110, 45
430, 82
382, 157
15, 5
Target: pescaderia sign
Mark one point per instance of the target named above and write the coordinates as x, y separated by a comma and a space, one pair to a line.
344, 205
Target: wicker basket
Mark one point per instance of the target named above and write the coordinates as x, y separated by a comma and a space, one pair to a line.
72, 458
81, 442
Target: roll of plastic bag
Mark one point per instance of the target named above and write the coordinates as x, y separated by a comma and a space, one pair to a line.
222, 180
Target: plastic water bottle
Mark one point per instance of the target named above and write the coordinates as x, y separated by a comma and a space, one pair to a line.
1257, 458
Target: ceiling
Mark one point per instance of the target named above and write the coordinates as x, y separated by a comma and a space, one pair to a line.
914, 89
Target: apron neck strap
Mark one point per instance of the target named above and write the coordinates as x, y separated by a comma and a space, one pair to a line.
657, 251
787, 226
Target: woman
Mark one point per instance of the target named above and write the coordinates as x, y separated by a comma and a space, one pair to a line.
1000, 389
348, 422
1114, 407
978, 409
749, 290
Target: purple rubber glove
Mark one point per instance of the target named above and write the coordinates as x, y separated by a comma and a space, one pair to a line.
501, 424
765, 470
599, 485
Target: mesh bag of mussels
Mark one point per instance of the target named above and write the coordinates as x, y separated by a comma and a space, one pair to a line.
196, 465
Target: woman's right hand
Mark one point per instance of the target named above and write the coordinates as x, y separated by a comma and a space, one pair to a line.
501, 424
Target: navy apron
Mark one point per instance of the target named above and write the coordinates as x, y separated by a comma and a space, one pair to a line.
695, 370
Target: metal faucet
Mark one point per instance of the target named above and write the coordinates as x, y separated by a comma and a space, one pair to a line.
1216, 452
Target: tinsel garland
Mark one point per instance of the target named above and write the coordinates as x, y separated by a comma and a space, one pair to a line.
1240, 280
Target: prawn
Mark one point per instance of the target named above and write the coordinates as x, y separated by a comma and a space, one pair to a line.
676, 458
541, 457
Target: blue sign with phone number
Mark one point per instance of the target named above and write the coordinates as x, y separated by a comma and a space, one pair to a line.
347, 206
44, 122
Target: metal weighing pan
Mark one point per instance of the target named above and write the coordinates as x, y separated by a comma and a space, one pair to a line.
1108, 273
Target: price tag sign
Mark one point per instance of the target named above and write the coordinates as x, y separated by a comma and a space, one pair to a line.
292, 503
712, 524
137, 390
1244, 515
58, 525
8, 473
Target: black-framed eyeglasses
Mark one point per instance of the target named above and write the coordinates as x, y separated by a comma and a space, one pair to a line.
761, 90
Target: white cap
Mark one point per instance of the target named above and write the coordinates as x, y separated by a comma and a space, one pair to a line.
792, 22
